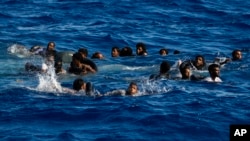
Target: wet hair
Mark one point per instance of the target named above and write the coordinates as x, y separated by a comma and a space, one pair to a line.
83, 51
132, 83
143, 46
234, 53
203, 61
126, 51
177, 52
96, 55
165, 67
77, 56
115, 47
212, 66
162, 50
50, 43
77, 84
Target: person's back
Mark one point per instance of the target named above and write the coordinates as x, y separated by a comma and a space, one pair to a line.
164, 71
126, 51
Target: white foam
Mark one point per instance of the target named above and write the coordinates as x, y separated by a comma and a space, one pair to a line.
48, 81
18, 50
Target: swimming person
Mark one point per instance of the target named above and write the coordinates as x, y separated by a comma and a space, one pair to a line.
163, 52
97, 55
236, 56
199, 63
132, 90
186, 72
39, 50
115, 52
141, 49
126, 51
79, 85
81, 66
84, 52
214, 72
164, 71
58, 67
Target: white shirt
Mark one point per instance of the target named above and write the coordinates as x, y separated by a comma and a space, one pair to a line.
209, 79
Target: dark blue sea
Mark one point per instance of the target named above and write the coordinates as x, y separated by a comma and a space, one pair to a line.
172, 110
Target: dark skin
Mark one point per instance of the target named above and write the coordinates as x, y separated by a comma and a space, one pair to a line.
215, 72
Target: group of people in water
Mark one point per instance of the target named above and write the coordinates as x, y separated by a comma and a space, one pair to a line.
82, 65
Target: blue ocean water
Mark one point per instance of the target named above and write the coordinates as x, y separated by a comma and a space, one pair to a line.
166, 109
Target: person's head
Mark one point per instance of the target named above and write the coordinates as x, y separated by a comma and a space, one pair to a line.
185, 72
214, 70
165, 67
141, 49
177, 52
84, 52
237, 55
132, 89
78, 84
199, 61
115, 51
163, 52
76, 58
97, 55
126, 51
51, 46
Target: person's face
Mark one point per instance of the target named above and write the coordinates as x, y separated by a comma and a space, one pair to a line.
186, 73
133, 89
215, 72
238, 55
199, 61
51, 46
100, 56
115, 53
163, 53
139, 49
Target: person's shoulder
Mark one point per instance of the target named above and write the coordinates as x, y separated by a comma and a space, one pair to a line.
208, 79
217, 79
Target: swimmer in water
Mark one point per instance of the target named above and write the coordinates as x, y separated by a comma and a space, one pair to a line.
115, 52
214, 72
84, 52
97, 55
236, 56
186, 73
132, 90
79, 85
141, 49
164, 71
126, 51
78, 67
163, 52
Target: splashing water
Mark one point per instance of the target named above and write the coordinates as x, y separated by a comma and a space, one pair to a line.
18, 50
48, 81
